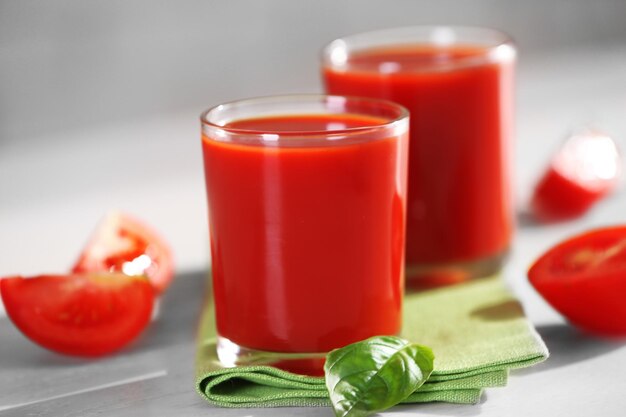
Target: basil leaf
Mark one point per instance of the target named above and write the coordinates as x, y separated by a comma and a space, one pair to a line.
375, 374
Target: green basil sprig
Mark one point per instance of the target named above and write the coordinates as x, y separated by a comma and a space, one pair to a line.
375, 374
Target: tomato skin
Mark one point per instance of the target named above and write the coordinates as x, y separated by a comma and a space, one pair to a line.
584, 278
120, 240
81, 315
559, 198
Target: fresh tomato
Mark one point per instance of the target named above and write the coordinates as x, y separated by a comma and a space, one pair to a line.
584, 278
122, 243
80, 314
585, 169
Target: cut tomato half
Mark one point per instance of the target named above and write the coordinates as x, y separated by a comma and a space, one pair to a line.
80, 314
585, 169
121, 243
584, 278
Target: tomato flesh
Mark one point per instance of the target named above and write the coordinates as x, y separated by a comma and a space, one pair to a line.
122, 243
586, 168
584, 278
80, 314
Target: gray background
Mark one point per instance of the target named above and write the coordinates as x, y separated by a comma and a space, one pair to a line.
71, 64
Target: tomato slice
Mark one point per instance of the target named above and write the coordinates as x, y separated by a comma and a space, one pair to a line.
81, 314
586, 168
124, 244
584, 278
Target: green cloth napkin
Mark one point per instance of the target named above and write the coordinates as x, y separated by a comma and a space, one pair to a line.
477, 331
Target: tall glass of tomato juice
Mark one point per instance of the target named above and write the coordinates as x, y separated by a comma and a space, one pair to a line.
307, 198
457, 83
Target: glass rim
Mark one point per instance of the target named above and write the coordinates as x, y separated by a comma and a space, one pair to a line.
304, 136
498, 44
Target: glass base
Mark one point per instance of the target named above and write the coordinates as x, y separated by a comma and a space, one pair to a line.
426, 276
231, 354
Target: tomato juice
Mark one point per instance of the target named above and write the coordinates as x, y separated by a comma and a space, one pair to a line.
307, 232
459, 96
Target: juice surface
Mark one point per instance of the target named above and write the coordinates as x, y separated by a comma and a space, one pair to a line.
305, 123
459, 202
306, 241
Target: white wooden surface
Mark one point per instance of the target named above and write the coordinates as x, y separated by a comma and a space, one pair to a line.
51, 197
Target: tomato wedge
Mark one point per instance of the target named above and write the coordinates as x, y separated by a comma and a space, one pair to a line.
584, 278
81, 314
585, 169
121, 243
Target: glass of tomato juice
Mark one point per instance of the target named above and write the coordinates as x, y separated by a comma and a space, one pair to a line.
457, 83
306, 198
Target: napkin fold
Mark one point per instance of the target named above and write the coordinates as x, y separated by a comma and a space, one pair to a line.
477, 331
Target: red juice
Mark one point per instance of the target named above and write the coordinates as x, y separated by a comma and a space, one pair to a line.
459, 207
307, 239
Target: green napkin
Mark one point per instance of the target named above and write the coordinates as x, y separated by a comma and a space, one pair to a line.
477, 331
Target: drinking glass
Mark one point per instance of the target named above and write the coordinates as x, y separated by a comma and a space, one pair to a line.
457, 83
306, 198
